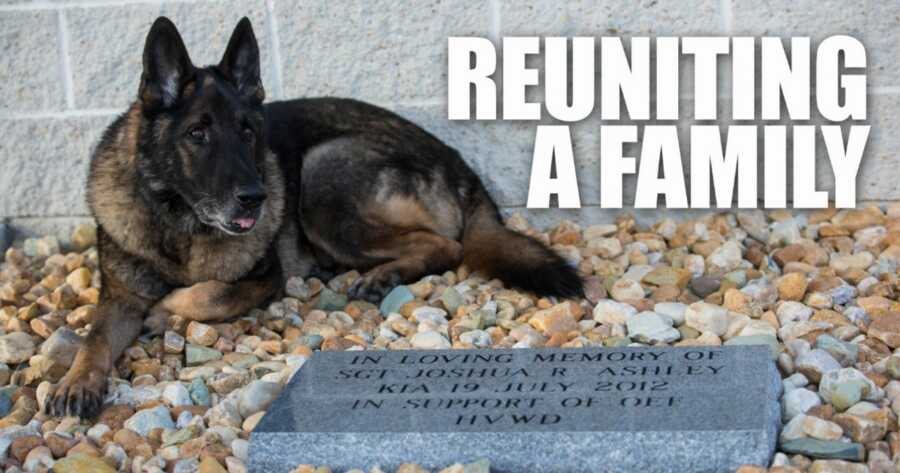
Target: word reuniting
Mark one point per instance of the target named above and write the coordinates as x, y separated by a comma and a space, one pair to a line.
720, 157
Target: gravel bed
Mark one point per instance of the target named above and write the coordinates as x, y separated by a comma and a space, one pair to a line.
820, 288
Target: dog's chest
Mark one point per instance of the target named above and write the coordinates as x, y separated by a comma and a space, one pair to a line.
221, 260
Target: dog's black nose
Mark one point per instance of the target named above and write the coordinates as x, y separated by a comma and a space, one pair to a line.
251, 197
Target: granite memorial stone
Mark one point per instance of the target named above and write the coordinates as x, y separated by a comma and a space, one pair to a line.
704, 409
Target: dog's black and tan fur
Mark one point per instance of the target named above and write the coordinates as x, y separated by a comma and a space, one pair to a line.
206, 200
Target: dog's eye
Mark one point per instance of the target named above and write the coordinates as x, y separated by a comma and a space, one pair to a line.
248, 135
197, 134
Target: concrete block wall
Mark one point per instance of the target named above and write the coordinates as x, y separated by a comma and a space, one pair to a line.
67, 68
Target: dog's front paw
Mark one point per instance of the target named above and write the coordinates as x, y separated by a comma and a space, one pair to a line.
156, 321
80, 393
374, 285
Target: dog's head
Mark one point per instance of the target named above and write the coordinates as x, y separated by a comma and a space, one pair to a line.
202, 140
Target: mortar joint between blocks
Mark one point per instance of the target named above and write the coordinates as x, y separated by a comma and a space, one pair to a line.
496, 20
65, 65
272, 31
727, 16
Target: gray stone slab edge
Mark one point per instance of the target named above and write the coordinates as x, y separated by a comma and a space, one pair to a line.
546, 452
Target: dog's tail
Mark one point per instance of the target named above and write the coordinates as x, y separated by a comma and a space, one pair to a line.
516, 259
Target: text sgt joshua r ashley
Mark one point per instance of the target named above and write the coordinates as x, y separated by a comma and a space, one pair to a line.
840, 96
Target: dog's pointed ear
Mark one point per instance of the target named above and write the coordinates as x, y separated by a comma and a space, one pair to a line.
167, 66
240, 63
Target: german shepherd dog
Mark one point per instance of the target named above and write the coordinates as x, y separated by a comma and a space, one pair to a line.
206, 200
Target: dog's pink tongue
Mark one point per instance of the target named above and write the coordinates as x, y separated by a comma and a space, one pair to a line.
245, 223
